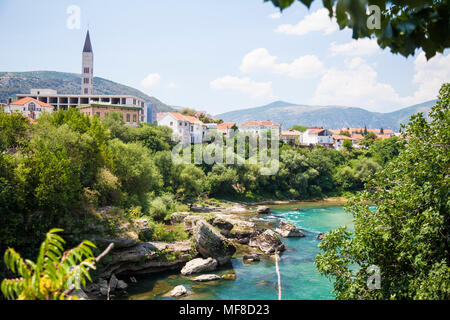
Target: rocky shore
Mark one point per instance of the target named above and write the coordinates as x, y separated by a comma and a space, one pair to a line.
217, 234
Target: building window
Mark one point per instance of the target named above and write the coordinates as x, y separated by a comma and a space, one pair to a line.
86, 70
181, 123
185, 124
171, 123
128, 117
134, 118
134, 101
86, 80
98, 114
85, 90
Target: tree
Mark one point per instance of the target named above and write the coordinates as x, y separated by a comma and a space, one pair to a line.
348, 145
345, 133
405, 25
14, 129
300, 128
54, 274
407, 236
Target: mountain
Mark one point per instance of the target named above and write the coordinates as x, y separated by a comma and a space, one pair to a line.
289, 114
12, 83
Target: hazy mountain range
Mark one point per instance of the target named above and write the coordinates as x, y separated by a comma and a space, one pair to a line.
12, 83
285, 113
289, 114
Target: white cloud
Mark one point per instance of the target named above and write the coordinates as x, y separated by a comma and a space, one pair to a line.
316, 21
172, 85
244, 85
357, 85
358, 47
275, 15
429, 76
151, 80
303, 67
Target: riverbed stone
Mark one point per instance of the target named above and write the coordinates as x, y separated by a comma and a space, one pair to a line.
210, 243
207, 277
267, 242
178, 291
288, 230
199, 265
263, 210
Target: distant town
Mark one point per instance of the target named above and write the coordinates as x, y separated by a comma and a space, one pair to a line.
186, 128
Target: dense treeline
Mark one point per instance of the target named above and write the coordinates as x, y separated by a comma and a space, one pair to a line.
58, 171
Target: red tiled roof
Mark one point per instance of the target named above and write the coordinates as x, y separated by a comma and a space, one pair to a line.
315, 128
191, 119
357, 136
260, 123
291, 133
25, 100
315, 131
341, 137
179, 116
225, 125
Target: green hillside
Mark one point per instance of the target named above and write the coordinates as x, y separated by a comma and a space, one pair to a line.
12, 83
289, 114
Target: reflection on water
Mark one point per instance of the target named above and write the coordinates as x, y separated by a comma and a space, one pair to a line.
299, 276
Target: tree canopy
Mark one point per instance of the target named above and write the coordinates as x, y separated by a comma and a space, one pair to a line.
407, 235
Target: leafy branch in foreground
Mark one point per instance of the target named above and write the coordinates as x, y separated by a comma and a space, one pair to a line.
408, 235
55, 273
405, 25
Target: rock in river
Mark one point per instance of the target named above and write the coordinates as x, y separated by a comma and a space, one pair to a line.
263, 210
199, 265
207, 277
210, 243
267, 242
178, 291
288, 230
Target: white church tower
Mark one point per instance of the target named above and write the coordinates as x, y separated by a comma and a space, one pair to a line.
87, 72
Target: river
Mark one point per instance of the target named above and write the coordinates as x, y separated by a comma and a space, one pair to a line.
299, 277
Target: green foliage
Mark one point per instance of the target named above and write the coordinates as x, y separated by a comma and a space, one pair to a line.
300, 128
406, 25
54, 274
348, 145
13, 131
407, 236
162, 207
160, 232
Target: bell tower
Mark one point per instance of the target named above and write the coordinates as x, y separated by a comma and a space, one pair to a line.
87, 71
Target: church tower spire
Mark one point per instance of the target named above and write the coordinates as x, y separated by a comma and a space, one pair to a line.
87, 71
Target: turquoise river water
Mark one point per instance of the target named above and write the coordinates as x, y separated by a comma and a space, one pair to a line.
299, 277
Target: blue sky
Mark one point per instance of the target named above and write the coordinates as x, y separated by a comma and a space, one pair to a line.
217, 55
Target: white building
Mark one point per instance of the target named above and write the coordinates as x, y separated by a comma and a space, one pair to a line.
29, 107
291, 136
257, 127
226, 128
313, 136
186, 129
339, 141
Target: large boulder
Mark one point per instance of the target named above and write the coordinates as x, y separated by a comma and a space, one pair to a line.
263, 210
210, 243
199, 265
288, 230
267, 242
